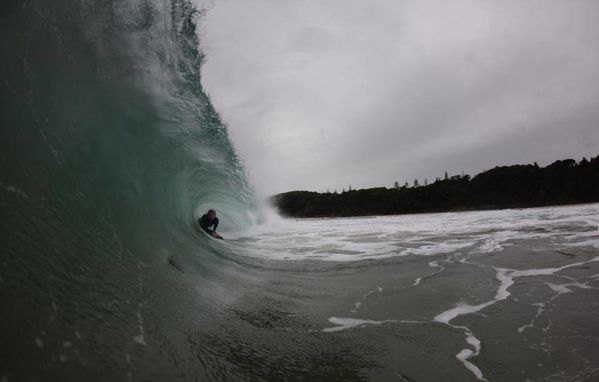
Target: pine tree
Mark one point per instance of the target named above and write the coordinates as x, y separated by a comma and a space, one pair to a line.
396, 185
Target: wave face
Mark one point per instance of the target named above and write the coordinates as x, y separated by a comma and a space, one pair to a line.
110, 150
104, 113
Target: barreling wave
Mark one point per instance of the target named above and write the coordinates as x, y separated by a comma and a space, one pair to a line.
110, 151
105, 101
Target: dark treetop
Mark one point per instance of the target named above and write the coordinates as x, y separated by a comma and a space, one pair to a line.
562, 182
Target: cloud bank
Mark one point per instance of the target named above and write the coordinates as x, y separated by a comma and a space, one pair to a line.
322, 94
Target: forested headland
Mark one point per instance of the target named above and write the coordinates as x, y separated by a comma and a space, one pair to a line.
562, 182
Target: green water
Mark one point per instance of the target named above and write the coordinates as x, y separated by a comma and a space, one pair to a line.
109, 152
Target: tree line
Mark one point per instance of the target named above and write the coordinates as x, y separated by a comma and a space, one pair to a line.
562, 182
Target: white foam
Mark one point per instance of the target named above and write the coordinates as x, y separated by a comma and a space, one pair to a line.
348, 323
371, 238
506, 279
357, 306
458, 310
540, 308
140, 337
549, 271
440, 248
488, 246
460, 236
463, 356
14, 190
584, 243
559, 288
128, 360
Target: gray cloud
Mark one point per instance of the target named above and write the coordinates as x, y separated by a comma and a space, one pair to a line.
319, 95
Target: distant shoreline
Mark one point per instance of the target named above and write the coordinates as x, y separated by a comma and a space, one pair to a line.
444, 212
562, 183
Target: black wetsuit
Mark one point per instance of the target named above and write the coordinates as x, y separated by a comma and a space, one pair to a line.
205, 223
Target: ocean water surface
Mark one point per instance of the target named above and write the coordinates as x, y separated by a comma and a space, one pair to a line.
503, 295
109, 152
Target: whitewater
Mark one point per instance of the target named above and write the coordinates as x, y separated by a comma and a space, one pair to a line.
521, 284
109, 152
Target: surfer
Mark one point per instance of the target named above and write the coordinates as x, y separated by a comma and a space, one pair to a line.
208, 220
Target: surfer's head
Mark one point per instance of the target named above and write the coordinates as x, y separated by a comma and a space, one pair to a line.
211, 214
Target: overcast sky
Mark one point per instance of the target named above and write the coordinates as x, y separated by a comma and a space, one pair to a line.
321, 94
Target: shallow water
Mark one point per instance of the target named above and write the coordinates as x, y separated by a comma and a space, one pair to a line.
497, 295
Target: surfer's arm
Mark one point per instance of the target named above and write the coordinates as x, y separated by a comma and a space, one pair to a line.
215, 224
204, 224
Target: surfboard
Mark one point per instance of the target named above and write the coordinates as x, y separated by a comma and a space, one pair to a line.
217, 236
210, 235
